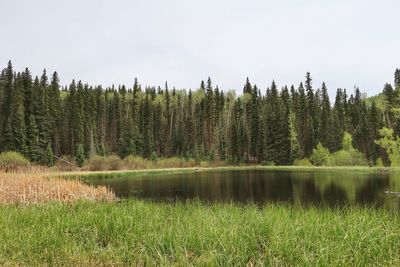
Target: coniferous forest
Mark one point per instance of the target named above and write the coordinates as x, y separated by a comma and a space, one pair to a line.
276, 125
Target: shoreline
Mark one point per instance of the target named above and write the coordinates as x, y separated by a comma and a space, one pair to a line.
135, 172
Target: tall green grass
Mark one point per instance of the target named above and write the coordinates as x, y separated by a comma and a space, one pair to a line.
143, 233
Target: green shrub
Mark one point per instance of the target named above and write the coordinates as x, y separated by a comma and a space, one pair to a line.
13, 161
358, 158
302, 162
379, 163
320, 156
391, 144
348, 158
341, 158
347, 142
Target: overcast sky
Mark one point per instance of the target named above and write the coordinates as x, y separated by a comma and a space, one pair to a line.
343, 42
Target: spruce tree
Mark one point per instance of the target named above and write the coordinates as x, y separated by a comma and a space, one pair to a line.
397, 79
324, 129
7, 84
312, 111
49, 156
17, 118
80, 155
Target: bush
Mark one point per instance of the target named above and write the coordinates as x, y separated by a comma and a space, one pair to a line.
110, 163
96, 163
348, 158
341, 158
302, 162
175, 162
114, 163
13, 161
320, 156
379, 163
391, 145
135, 162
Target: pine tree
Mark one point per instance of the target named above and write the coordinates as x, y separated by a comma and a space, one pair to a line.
312, 111
28, 94
375, 125
7, 85
209, 103
49, 156
254, 124
55, 118
80, 155
390, 98
397, 79
277, 132
362, 134
17, 118
324, 129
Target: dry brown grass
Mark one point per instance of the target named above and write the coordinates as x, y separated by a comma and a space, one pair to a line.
26, 188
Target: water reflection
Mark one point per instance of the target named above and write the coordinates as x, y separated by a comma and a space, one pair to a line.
321, 188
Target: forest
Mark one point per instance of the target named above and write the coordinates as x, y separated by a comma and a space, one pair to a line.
274, 126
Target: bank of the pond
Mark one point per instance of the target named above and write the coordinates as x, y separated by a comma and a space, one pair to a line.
144, 172
144, 233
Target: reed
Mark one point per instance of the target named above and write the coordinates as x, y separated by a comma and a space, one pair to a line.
24, 188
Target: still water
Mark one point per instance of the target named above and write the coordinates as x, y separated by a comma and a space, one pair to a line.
319, 188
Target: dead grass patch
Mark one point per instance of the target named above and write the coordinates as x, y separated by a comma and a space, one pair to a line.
23, 188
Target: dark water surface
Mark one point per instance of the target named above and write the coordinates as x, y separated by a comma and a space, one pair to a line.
320, 188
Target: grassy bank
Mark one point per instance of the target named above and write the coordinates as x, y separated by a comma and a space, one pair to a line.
142, 233
146, 172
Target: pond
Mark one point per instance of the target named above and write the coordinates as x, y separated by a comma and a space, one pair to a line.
319, 188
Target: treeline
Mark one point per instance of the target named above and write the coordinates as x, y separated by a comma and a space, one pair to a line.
42, 119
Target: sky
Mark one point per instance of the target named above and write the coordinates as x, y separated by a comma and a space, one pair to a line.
344, 43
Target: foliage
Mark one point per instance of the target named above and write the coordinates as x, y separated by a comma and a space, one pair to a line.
320, 156
348, 158
348, 155
391, 145
13, 161
347, 143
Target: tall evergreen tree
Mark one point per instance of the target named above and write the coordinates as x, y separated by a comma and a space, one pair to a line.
325, 119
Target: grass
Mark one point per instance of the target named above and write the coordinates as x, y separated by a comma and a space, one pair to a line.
33, 188
144, 233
